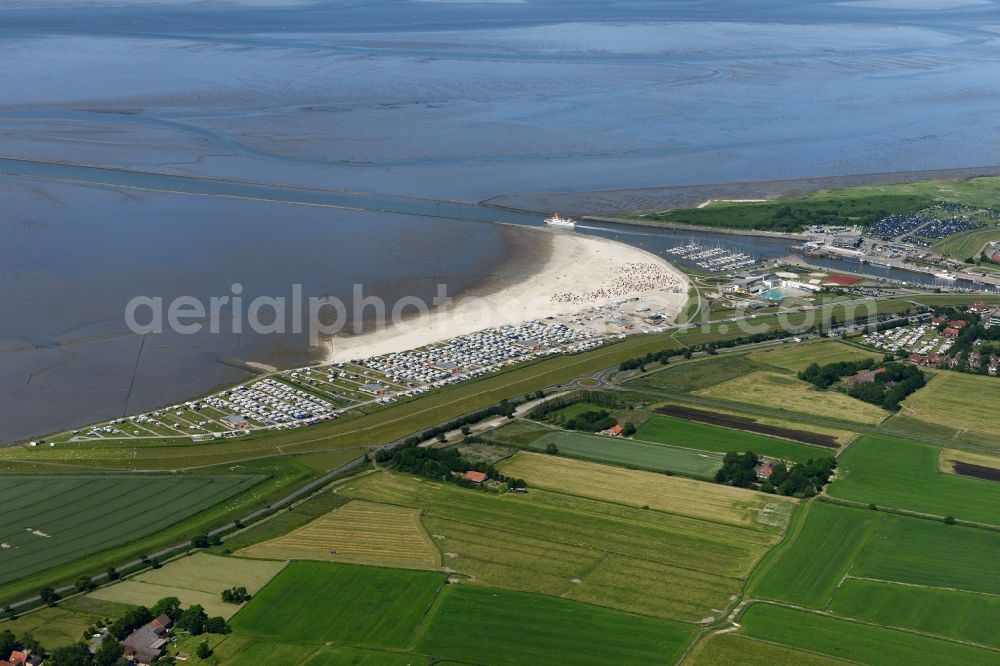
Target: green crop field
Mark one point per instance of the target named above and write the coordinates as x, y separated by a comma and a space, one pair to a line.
270, 652
703, 437
905, 475
501, 627
736, 650
931, 553
67, 517
347, 656
853, 641
631, 453
963, 616
799, 357
646, 561
321, 601
821, 548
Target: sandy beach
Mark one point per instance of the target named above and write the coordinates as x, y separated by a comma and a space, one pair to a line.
547, 273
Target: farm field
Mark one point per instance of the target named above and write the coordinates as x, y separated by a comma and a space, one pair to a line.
787, 392
783, 428
518, 432
768, 513
79, 515
360, 532
691, 376
950, 459
196, 579
501, 627
631, 453
854, 641
270, 652
688, 434
612, 555
905, 475
821, 548
945, 401
736, 650
321, 601
799, 356
347, 656
966, 616
53, 626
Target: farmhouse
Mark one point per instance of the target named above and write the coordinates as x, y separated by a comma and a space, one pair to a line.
613, 431
475, 477
145, 644
765, 469
866, 377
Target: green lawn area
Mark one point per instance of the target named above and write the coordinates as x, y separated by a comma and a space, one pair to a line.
347, 656
631, 453
820, 548
688, 434
853, 641
321, 601
905, 475
501, 627
68, 517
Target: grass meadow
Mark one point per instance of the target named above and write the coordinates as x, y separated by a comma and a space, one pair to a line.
799, 356
502, 627
957, 401
631, 453
702, 437
736, 650
854, 641
319, 602
905, 475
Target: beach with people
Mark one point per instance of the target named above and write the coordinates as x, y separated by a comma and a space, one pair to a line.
546, 274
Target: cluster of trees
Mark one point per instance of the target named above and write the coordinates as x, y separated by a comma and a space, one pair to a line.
600, 398
801, 480
442, 465
9, 642
235, 595
591, 420
890, 387
826, 375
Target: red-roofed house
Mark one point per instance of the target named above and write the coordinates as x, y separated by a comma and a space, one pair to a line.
938, 320
980, 308
958, 323
951, 332
18, 658
765, 470
475, 477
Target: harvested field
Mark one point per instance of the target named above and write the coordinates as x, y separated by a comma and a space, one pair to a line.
196, 579
748, 424
945, 402
787, 392
665, 493
796, 357
977, 471
612, 555
694, 375
359, 532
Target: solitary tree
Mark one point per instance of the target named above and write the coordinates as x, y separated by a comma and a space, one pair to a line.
48, 595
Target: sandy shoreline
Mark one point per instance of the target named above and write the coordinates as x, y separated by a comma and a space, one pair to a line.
546, 273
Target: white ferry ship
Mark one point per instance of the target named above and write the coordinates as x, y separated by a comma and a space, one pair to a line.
560, 222
945, 276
